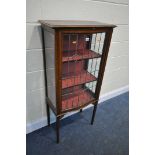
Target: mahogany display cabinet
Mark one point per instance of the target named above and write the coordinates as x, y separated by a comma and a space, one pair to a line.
75, 54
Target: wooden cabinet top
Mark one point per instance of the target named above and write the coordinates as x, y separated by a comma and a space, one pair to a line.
73, 24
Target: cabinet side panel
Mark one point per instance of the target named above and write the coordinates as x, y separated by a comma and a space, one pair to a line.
50, 65
103, 61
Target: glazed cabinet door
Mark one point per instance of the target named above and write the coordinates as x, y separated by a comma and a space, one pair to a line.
81, 57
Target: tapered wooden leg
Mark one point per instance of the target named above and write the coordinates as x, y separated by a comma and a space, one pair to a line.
80, 110
94, 112
57, 128
48, 114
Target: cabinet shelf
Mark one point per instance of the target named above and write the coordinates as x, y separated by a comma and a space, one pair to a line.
76, 98
77, 79
79, 55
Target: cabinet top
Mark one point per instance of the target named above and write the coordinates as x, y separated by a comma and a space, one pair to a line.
73, 24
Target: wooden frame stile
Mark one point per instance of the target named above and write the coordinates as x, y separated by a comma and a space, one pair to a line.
58, 57
45, 75
57, 70
59, 33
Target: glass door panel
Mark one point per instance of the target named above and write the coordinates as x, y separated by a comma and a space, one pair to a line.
81, 58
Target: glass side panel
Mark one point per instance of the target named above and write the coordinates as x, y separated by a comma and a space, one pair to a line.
50, 65
81, 61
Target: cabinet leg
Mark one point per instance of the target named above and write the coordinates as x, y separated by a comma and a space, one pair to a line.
80, 110
57, 128
48, 114
94, 112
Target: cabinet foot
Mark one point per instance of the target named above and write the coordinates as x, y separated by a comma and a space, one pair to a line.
94, 112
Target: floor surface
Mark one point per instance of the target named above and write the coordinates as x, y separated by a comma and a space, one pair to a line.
108, 136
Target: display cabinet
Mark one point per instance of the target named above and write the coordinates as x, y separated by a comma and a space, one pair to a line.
75, 54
